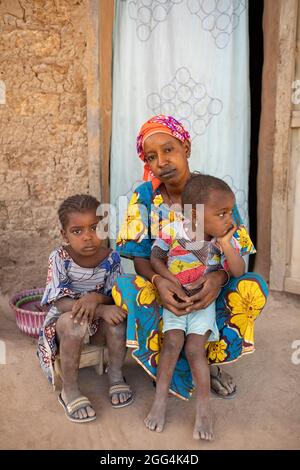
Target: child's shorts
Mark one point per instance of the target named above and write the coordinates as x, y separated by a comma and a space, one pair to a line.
198, 322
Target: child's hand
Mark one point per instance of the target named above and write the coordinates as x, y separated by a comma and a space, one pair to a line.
225, 240
84, 309
113, 315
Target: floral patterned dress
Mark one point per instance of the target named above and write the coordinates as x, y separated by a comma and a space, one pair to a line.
238, 305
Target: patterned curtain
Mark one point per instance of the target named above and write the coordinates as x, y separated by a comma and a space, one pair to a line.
187, 58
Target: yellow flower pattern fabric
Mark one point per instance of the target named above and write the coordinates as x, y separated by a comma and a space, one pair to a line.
216, 351
155, 340
244, 240
158, 200
246, 304
147, 291
133, 227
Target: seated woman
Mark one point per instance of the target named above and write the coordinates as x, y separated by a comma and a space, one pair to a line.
165, 146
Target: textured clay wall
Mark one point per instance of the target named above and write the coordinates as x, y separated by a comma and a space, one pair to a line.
43, 142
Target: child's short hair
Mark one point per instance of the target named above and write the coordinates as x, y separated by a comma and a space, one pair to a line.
198, 188
76, 203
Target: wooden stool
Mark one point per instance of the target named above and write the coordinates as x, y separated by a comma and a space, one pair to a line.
91, 355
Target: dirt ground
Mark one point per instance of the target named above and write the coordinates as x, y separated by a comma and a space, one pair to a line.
264, 415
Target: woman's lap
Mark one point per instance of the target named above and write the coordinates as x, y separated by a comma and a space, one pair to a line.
238, 305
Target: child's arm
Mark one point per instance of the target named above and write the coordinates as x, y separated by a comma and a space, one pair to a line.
113, 315
83, 309
158, 264
65, 304
234, 260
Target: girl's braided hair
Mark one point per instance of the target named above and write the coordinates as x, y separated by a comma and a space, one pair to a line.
76, 203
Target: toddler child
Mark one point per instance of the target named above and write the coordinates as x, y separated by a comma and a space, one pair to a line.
178, 256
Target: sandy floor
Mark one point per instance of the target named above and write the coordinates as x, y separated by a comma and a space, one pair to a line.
264, 415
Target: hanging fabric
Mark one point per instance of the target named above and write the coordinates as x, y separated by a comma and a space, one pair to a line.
187, 58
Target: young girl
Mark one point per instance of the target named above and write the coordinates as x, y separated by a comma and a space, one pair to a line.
181, 258
81, 274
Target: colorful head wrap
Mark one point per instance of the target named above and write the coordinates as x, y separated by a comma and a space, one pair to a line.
160, 123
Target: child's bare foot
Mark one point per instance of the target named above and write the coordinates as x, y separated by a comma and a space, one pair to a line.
203, 423
155, 420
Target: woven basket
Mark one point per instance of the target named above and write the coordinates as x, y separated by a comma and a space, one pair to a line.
30, 315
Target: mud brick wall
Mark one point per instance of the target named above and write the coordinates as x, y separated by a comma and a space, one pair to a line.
43, 141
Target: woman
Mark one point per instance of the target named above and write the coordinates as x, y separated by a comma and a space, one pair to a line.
165, 146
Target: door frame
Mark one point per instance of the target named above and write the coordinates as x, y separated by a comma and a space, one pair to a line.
99, 94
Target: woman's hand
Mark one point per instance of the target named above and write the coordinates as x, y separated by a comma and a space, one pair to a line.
84, 309
167, 290
212, 284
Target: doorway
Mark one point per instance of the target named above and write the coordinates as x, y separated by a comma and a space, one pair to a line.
256, 57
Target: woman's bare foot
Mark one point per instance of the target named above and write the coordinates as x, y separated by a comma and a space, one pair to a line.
203, 428
85, 412
155, 420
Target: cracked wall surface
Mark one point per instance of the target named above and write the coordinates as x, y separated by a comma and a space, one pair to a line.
43, 139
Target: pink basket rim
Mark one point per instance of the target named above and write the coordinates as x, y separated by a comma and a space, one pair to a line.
26, 293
